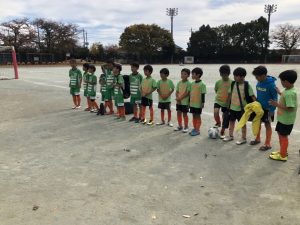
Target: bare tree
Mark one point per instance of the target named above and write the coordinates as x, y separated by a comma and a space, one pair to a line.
286, 36
19, 33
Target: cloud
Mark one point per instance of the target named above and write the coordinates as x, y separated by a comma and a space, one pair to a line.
106, 20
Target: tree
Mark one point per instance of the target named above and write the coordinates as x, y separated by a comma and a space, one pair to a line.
97, 50
203, 43
146, 41
286, 36
111, 51
20, 33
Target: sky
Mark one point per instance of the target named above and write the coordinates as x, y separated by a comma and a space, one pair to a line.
105, 21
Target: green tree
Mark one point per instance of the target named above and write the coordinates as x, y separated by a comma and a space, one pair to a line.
146, 41
97, 51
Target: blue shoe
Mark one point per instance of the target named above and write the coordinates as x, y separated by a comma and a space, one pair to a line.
193, 130
195, 133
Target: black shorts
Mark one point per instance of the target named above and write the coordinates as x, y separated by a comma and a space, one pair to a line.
164, 105
147, 101
235, 115
283, 129
92, 100
195, 110
268, 117
223, 109
182, 108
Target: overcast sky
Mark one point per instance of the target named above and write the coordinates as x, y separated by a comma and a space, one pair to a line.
106, 20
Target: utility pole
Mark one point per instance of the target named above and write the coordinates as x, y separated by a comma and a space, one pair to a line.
86, 40
83, 32
269, 9
39, 39
172, 12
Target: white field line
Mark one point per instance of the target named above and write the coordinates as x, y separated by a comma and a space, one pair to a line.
98, 95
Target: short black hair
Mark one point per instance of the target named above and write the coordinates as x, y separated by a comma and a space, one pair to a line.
288, 75
224, 69
260, 71
86, 65
92, 67
148, 68
165, 71
118, 66
197, 71
240, 72
186, 71
135, 64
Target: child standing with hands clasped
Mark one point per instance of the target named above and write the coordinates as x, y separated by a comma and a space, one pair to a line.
197, 99
165, 88
91, 89
286, 114
118, 92
75, 83
182, 101
148, 86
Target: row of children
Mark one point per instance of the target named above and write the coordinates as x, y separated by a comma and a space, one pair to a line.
231, 98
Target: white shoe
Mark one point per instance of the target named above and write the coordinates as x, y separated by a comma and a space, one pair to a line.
178, 129
185, 130
228, 138
160, 123
74, 107
170, 124
222, 136
78, 107
242, 141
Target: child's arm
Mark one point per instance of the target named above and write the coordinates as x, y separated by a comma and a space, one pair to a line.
278, 105
203, 100
253, 98
278, 91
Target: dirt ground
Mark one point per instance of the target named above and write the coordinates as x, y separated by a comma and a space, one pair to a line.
60, 166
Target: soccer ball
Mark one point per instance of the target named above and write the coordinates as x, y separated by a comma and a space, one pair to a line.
213, 133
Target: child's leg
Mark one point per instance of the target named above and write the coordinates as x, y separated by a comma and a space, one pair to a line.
143, 112
258, 135
284, 143
162, 115
88, 102
78, 100
231, 127
123, 111
268, 134
96, 105
151, 113
217, 116
135, 110
74, 100
106, 103
169, 115
179, 118
194, 121
110, 106
222, 129
140, 110
186, 120
244, 132
198, 122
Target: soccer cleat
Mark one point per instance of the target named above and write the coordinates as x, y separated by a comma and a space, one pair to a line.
222, 136
242, 141
137, 120
195, 133
217, 125
278, 157
87, 109
228, 138
278, 153
191, 131
123, 118
74, 107
178, 129
78, 107
132, 119
143, 121
160, 123
170, 124
150, 123
185, 130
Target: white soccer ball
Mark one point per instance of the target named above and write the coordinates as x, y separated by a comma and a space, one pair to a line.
213, 133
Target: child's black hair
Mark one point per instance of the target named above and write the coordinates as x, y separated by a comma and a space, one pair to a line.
197, 71
148, 68
118, 66
224, 69
135, 64
86, 65
92, 67
260, 71
240, 72
288, 75
164, 71
186, 71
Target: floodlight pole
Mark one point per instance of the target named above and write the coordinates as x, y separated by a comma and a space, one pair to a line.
172, 12
269, 9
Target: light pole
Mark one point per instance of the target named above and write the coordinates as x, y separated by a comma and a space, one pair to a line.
172, 12
269, 9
